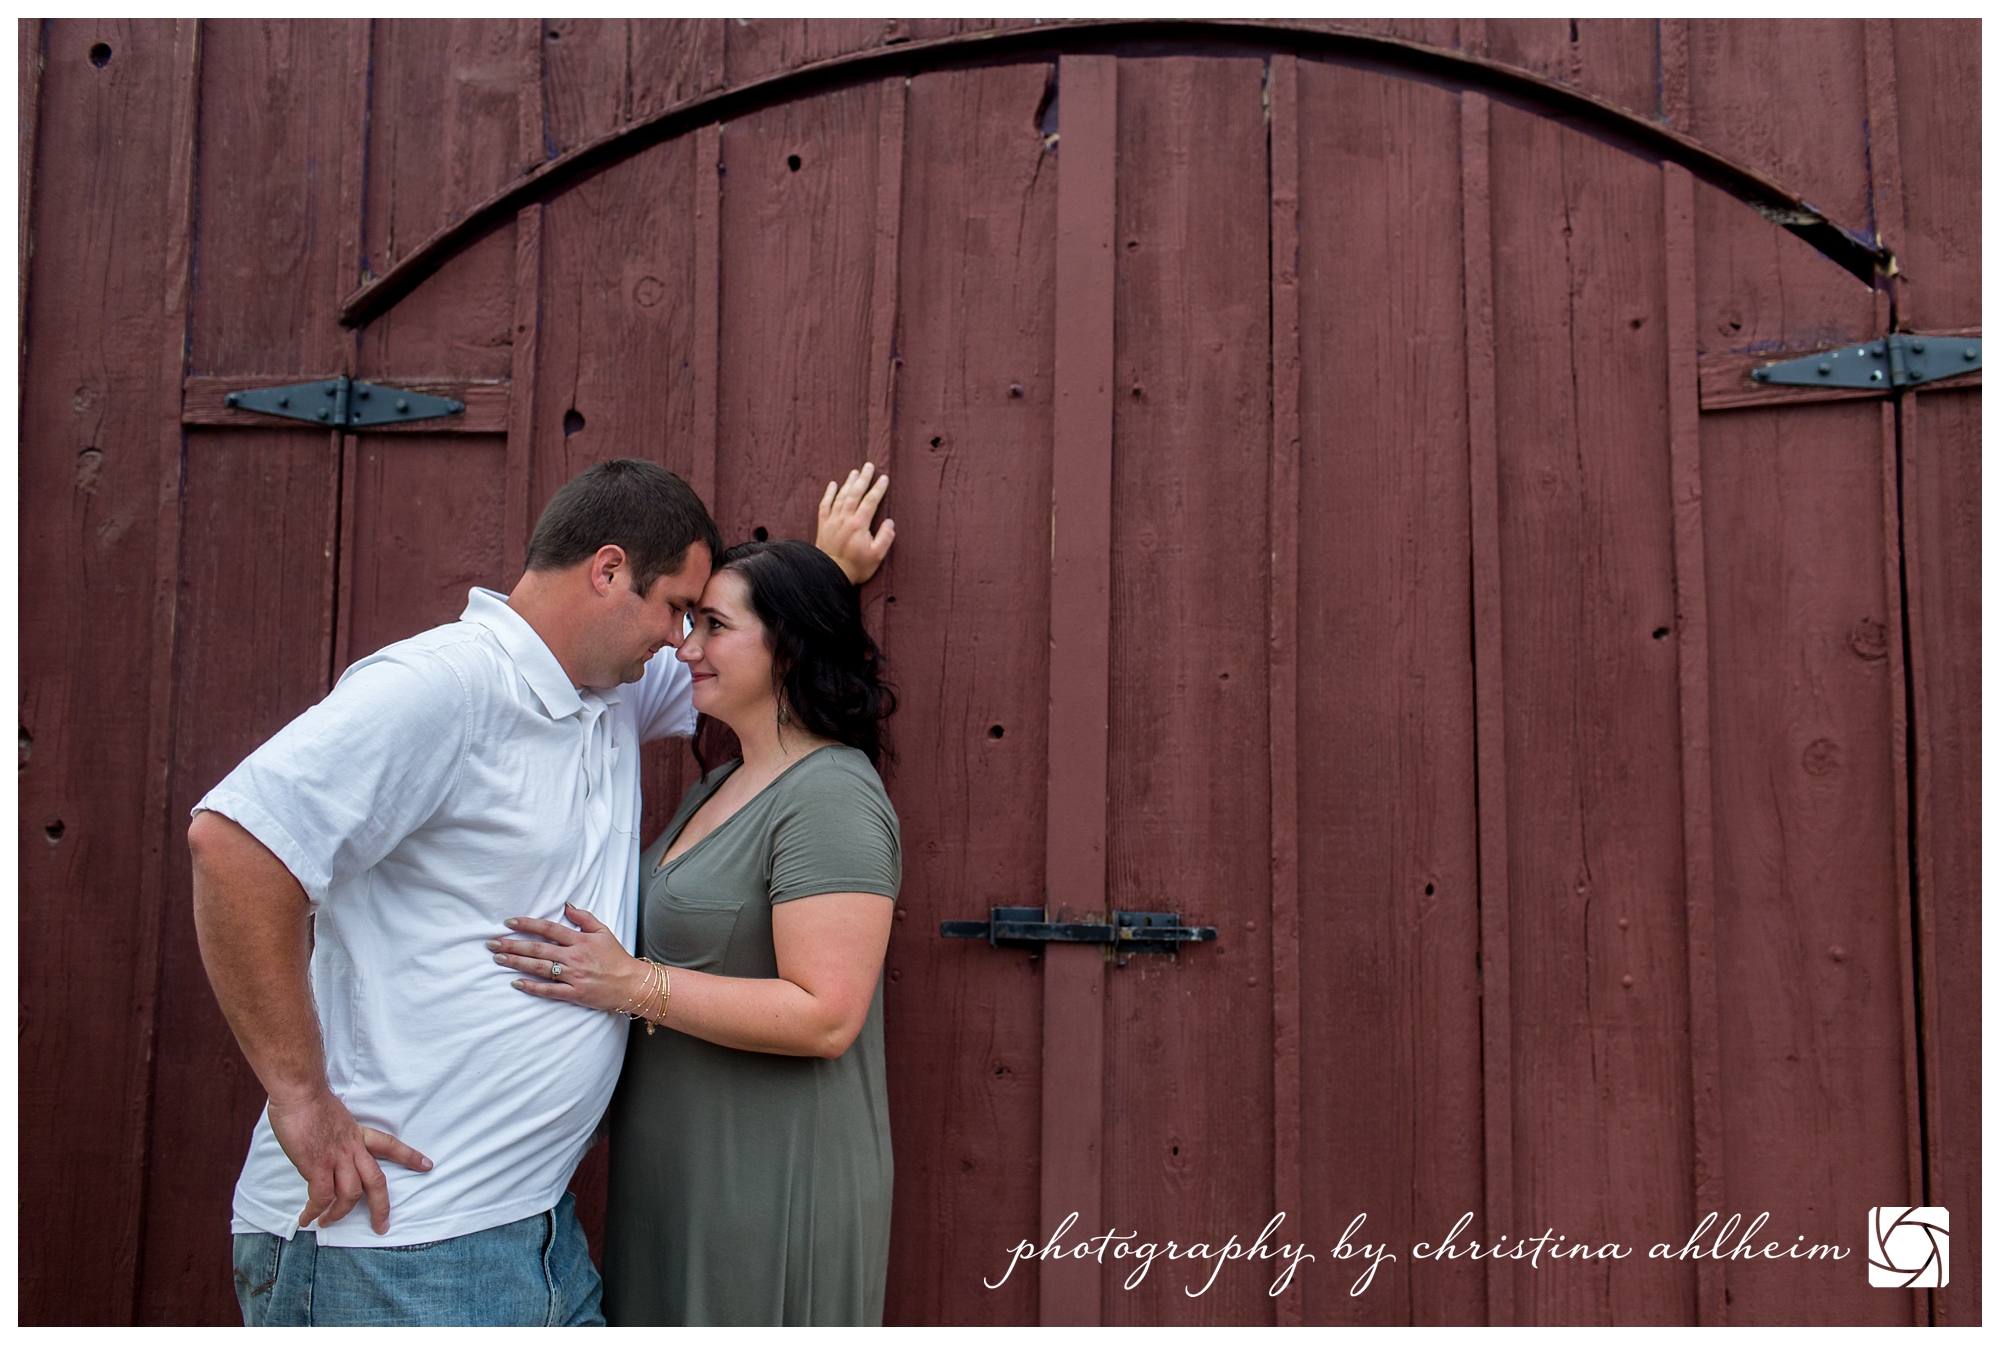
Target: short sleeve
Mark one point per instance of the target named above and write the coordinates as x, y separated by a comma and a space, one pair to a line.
663, 698
340, 787
838, 833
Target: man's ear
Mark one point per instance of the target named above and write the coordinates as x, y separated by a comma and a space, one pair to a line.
606, 566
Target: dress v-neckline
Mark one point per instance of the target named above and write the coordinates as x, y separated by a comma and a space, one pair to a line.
664, 864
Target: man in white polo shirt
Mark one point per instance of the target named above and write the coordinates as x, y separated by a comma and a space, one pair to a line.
349, 873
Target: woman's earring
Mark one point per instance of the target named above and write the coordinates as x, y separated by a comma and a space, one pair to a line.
784, 715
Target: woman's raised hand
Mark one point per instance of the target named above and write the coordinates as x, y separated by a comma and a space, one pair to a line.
585, 965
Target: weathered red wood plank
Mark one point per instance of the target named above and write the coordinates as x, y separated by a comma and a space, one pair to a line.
618, 320
1789, 97
99, 321
754, 48
1941, 502
1937, 77
969, 652
884, 317
586, 79
1388, 841
29, 96
707, 195
1496, 979
203, 396
1691, 640
1615, 58
252, 617
519, 518
159, 948
1080, 609
1885, 173
1186, 1152
1598, 939
797, 261
1807, 939
673, 60
1287, 1114
459, 80
408, 573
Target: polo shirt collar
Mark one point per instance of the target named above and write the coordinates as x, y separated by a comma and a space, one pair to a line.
536, 662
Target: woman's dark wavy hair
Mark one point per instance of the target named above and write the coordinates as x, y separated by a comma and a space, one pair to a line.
828, 668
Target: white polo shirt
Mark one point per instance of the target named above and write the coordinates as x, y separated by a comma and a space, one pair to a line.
449, 782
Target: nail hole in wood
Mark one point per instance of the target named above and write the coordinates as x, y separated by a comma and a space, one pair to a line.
998, 730
27, 745
1430, 889
761, 534
793, 162
1661, 633
937, 441
54, 831
572, 422
100, 55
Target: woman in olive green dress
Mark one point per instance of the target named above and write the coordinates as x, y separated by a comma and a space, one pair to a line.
750, 1164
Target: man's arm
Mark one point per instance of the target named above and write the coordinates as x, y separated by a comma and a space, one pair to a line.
845, 512
250, 916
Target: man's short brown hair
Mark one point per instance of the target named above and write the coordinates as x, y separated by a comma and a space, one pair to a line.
630, 503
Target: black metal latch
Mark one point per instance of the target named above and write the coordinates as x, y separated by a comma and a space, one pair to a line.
344, 401
1889, 362
1127, 932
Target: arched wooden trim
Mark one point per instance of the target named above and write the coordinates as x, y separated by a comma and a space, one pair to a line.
1852, 251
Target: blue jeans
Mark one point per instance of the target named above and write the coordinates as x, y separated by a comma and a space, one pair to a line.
532, 1272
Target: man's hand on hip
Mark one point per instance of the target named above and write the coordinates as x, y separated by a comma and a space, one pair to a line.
336, 1155
845, 512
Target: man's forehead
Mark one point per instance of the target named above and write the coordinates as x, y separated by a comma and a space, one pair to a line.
683, 586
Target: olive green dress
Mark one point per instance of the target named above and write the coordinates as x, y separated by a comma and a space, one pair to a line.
750, 1189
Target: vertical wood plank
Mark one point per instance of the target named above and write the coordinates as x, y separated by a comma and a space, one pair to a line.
518, 518
1691, 624
1079, 675
1937, 78
1388, 810
1885, 173
531, 134
1489, 698
674, 60
177, 272
1697, 824
29, 95
1188, 765
884, 312
1287, 1192
969, 652
707, 306
1598, 942
586, 78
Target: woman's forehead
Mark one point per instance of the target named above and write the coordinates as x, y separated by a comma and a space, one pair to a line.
727, 594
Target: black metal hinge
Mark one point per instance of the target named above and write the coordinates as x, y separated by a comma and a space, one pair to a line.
1896, 361
344, 401
1127, 931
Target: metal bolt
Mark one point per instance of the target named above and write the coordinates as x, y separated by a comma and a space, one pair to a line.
1917, 346
1914, 376
1826, 368
284, 401
321, 413
402, 404
330, 388
1879, 351
1971, 353
230, 400
362, 393
1875, 377
1761, 375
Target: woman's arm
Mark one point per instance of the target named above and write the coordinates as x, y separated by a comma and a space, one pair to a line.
830, 950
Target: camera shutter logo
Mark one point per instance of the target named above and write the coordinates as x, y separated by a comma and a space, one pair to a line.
1909, 1247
